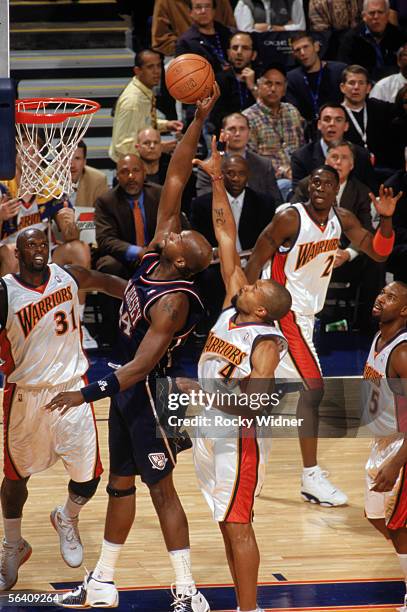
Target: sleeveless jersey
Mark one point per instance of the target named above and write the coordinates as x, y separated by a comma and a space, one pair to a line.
140, 294
305, 268
384, 410
227, 353
41, 338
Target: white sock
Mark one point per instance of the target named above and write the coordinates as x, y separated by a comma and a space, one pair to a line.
308, 470
181, 562
105, 567
71, 509
12, 530
81, 311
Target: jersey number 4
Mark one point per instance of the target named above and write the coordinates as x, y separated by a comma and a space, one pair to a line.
62, 320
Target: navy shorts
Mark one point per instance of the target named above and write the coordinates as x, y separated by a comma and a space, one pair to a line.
136, 445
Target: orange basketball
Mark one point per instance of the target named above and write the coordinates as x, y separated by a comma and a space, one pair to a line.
189, 78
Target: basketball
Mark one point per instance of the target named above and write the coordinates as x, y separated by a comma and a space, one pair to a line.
189, 78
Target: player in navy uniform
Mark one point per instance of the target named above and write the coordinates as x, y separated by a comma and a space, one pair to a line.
160, 308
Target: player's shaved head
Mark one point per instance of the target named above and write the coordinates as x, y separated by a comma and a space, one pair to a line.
391, 303
32, 252
25, 235
198, 252
277, 299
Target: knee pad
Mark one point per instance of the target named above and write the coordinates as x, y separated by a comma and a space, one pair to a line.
84, 489
112, 492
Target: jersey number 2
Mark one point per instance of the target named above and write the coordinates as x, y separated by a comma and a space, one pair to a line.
329, 265
62, 323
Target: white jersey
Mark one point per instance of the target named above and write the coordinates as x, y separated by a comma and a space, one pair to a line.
41, 339
384, 410
228, 350
305, 268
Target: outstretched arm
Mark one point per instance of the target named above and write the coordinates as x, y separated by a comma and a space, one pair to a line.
179, 170
224, 225
90, 280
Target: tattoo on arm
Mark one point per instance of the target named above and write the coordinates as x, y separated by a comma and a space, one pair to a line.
219, 216
172, 312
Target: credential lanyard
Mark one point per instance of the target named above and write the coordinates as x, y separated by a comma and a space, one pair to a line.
314, 94
362, 132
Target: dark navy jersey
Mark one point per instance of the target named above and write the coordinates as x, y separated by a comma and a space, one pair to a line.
140, 294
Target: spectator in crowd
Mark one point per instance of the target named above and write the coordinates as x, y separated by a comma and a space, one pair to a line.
237, 85
88, 183
138, 18
206, 36
315, 81
252, 211
332, 125
398, 14
368, 118
261, 172
171, 18
276, 127
396, 262
338, 16
269, 15
397, 132
387, 89
125, 219
374, 43
136, 107
149, 148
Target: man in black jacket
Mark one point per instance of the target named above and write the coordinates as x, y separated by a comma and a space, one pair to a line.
397, 260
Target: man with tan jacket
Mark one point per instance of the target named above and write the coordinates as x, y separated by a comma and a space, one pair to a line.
88, 183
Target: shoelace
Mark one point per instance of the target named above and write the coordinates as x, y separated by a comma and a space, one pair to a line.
181, 603
70, 527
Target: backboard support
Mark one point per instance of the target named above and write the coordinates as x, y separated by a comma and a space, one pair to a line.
7, 99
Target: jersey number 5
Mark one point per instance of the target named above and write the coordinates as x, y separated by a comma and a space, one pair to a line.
62, 323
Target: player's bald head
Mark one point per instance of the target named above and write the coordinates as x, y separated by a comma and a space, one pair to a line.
198, 252
27, 234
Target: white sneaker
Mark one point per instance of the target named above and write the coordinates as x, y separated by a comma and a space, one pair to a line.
91, 594
88, 341
69, 539
317, 489
13, 555
187, 602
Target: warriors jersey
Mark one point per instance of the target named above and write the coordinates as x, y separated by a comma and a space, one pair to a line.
384, 405
229, 347
41, 337
305, 268
141, 293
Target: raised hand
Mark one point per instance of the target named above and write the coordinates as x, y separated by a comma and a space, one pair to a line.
386, 203
64, 401
9, 208
204, 107
212, 165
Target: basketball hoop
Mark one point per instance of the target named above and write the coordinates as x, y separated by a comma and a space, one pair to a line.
48, 132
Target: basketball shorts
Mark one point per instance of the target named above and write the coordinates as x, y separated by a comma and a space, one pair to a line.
391, 505
230, 468
301, 359
137, 444
35, 439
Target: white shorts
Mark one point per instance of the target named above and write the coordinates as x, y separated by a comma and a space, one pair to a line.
391, 505
230, 468
35, 439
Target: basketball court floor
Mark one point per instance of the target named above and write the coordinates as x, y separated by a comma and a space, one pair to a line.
312, 558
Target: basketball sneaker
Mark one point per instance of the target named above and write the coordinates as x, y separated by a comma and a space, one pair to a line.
91, 594
317, 489
188, 602
69, 539
13, 555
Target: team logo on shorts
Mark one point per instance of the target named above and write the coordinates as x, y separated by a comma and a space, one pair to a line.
158, 460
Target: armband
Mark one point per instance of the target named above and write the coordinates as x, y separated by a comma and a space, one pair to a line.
105, 387
381, 245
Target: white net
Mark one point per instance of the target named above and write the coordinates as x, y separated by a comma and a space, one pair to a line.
48, 131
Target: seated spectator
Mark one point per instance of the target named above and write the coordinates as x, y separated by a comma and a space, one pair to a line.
269, 15
374, 43
315, 82
206, 36
350, 265
125, 219
252, 212
387, 89
396, 262
149, 148
261, 172
368, 118
237, 85
136, 106
332, 125
88, 183
276, 127
171, 18
337, 16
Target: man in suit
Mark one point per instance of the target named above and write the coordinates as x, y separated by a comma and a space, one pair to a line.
125, 219
350, 265
261, 172
88, 183
252, 212
332, 124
